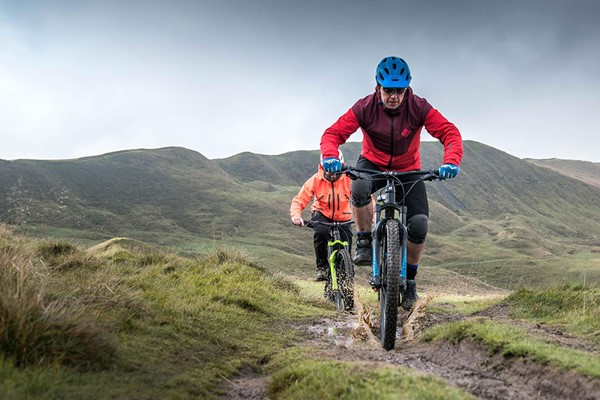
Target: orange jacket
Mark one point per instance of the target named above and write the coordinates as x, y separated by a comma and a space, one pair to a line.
332, 199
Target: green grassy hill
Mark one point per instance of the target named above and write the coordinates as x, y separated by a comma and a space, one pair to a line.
585, 171
151, 194
491, 184
500, 220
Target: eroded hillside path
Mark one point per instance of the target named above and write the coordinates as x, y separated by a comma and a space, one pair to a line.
468, 364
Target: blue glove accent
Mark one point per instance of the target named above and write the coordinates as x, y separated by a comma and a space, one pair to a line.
331, 164
449, 170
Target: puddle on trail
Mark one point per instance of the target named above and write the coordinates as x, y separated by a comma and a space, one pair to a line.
336, 331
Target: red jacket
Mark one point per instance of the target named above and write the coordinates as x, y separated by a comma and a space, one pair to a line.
392, 138
332, 199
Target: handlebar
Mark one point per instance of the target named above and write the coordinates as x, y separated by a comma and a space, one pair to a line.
313, 224
357, 173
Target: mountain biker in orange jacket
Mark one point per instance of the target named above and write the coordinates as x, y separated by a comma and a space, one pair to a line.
331, 203
391, 120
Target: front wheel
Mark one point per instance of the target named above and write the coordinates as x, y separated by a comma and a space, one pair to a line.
345, 276
390, 289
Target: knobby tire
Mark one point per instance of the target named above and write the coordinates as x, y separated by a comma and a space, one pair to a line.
390, 290
345, 274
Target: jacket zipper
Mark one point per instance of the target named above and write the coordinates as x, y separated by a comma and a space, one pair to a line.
333, 201
391, 145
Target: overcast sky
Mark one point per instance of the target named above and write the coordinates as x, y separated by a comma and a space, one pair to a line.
81, 78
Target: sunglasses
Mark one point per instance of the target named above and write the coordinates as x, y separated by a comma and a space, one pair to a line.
391, 91
332, 176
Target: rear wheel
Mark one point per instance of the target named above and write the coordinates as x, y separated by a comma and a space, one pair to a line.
345, 275
390, 289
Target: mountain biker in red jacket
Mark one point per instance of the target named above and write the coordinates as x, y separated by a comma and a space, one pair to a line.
391, 120
331, 193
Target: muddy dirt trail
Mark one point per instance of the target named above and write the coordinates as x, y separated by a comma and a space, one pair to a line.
467, 364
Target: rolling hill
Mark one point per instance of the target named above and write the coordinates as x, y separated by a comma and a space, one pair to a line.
500, 208
492, 184
584, 171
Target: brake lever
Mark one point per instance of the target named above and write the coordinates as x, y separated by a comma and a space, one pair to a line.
351, 174
433, 175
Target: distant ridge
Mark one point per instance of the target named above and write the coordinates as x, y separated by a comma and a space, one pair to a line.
584, 171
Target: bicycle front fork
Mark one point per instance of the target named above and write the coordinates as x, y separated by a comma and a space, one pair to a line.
375, 280
376, 241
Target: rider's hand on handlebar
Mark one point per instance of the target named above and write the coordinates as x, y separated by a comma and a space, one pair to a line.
298, 221
449, 171
331, 164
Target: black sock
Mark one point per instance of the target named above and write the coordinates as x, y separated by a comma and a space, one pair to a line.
411, 271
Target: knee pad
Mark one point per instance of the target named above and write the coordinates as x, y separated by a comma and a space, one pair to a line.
361, 193
359, 201
417, 228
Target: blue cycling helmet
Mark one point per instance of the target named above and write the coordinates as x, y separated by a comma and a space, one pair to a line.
393, 72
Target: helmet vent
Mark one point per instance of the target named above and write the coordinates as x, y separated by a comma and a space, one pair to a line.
393, 72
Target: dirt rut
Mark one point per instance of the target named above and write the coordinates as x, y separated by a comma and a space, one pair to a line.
467, 364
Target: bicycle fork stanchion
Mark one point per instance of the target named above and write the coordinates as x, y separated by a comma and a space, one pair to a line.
404, 249
376, 262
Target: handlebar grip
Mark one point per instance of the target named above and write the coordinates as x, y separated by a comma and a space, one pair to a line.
436, 175
352, 174
433, 175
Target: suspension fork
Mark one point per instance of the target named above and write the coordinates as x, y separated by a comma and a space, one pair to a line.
389, 211
376, 269
403, 243
335, 235
388, 196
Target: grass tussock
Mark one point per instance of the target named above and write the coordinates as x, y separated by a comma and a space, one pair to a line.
37, 330
55, 249
60, 255
511, 340
222, 255
146, 322
576, 308
326, 379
